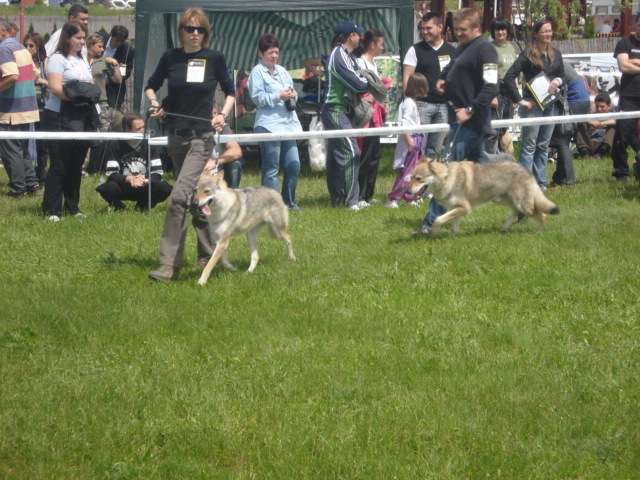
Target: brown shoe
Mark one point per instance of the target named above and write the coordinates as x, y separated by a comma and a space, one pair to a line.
164, 273
35, 190
424, 232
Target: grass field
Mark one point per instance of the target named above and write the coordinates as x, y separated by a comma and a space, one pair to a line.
374, 356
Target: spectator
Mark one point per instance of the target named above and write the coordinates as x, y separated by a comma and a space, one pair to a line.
372, 45
18, 109
117, 47
501, 105
271, 89
579, 103
429, 57
449, 32
35, 45
407, 152
77, 13
605, 28
104, 69
190, 141
616, 26
594, 139
538, 57
343, 154
627, 53
128, 174
230, 160
71, 108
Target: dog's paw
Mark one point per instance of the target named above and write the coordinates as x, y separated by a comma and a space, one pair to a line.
202, 282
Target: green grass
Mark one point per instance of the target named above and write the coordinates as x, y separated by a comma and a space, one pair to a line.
375, 355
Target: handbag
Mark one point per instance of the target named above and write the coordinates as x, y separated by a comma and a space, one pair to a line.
565, 128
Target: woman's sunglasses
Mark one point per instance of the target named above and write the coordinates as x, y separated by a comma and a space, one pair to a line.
30, 45
190, 29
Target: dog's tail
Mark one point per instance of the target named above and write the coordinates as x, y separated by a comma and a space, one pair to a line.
543, 204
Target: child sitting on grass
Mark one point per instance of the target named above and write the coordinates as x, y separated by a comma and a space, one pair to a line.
409, 146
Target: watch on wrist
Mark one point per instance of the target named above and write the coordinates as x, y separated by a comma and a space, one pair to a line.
224, 115
469, 110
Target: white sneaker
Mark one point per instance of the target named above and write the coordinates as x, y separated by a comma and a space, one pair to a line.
374, 200
363, 204
413, 204
354, 208
392, 204
53, 218
80, 215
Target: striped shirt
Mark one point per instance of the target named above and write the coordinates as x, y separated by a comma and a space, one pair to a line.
18, 104
124, 160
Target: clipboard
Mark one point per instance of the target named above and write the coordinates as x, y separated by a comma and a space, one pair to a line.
539, 88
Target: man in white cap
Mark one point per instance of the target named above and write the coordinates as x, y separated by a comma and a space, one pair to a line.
343, 155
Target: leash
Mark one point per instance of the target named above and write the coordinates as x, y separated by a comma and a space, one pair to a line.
445, 159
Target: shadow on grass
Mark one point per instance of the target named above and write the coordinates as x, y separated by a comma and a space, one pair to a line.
111, 260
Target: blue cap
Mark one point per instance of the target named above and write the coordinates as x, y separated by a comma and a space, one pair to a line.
347, 27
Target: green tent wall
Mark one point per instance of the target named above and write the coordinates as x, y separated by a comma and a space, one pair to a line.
303, 27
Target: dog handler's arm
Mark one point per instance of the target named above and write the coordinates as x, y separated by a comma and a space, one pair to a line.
155, 109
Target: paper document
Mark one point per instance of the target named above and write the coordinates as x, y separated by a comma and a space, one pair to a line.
539, 88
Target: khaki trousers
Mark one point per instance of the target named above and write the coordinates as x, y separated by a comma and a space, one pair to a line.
189, 155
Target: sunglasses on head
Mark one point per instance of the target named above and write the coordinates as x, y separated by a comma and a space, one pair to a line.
190, 29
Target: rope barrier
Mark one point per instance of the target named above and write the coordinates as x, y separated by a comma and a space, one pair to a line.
363, 132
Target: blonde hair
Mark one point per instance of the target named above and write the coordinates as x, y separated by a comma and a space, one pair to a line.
94, 38
534, 54
198, 15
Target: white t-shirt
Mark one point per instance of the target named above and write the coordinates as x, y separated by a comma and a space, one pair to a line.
408, 117
411, 58
71, 68
364, 64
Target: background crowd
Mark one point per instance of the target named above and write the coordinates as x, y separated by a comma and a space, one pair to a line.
77, 83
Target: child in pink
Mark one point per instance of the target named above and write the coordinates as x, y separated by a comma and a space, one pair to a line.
409, 146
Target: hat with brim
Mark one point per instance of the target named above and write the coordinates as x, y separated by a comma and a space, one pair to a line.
347, 27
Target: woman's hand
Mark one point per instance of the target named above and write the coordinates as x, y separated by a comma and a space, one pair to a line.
554, 85
527, 104
287, 93
218, 122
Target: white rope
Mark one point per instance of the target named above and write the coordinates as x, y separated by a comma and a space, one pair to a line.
362, 132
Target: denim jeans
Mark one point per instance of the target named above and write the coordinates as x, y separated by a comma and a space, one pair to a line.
535, 142
273, 155
233, 172
468, 145
432, 113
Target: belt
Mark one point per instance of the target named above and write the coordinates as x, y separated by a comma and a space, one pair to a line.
188, 132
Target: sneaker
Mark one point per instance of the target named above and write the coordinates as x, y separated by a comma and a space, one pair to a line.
80, 215
413, 204
374, 200
423, 232
35, 190
354, 208
363, 204
392, 204
53, 218
164, 273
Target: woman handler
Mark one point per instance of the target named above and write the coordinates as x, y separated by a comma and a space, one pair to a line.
192, 72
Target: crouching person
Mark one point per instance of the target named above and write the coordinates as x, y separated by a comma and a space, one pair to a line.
127, 170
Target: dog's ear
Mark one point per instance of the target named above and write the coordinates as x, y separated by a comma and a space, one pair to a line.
432, 160
218, 176
423, 159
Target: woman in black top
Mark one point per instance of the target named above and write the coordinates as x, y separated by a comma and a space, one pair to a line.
192, 73
539, 57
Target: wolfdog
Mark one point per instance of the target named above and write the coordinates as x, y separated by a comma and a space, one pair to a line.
460, 186
234, 212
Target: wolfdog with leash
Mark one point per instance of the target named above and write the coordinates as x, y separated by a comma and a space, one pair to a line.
234, 212
462, 185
